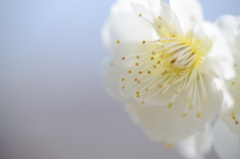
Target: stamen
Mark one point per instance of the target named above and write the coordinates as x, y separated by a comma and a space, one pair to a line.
170, 105
199, 114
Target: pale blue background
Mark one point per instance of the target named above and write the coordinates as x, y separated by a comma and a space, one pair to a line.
52, 104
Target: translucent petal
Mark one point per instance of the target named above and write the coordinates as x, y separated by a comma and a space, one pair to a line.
198, 145
226, 144
189, 13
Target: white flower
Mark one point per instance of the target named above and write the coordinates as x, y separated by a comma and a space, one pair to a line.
226, 143
227, 139
164, 66
230, 26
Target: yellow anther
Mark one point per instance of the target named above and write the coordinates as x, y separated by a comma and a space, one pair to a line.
123, 58
146, 89
143, 41
159, 85
154, 66
129, 71
192, 18
163, 73
233, 83
139, 82
170, 105
184, 114
178, 74
137, 64
143, 102
168, 146
237, 122
140, 15
138, 57
152, 58
173, 35
159, 62
112, 64
140, 72
149, 72
159, 18
123, 87
118, 42
235, 65
176, 92
137, 92
233, 118
199, 114
138, 96
135, 79
123, 79
191, 106
169, 71
159, 26
153, 52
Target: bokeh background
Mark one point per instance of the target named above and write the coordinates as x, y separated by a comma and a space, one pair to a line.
52, 103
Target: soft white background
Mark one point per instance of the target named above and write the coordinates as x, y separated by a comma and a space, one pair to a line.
52, 104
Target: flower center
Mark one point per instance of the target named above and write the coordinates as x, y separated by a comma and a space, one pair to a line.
178, 54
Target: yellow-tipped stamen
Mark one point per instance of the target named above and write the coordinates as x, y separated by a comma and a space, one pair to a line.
199, 114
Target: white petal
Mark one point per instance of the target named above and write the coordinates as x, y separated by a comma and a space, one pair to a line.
189, 13
226, 143
220, 52
126, 27
144, 117
227, 115
162, 9
197, 146
209, 106
229, 24
172, 121
237, 42
110, 72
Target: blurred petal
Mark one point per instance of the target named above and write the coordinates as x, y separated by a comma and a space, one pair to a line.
197, 146
226, 144
189, 13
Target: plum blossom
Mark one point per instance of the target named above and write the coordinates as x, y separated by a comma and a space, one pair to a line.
166, 65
